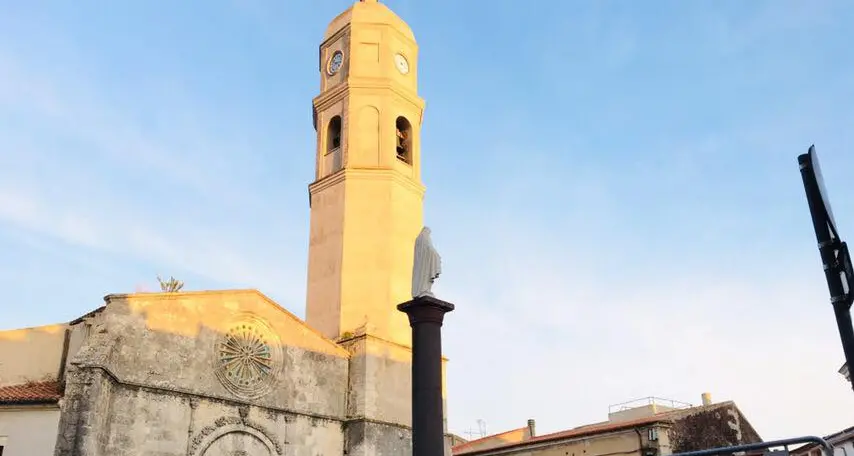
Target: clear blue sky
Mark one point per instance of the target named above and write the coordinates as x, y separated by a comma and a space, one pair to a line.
613, 184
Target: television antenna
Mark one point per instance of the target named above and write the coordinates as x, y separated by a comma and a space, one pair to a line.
480, 433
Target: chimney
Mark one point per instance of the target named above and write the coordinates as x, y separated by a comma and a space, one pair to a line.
532, 428
707, 398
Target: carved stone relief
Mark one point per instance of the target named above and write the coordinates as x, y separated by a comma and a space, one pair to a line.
230, 435
248, 358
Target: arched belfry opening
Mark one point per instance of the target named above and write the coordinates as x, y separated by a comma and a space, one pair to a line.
333, 134
403, 130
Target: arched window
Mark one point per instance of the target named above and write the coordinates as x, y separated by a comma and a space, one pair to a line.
403, 130
333, 134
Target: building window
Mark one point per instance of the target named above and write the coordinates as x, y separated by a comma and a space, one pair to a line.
403, 130
653, 434
333, 134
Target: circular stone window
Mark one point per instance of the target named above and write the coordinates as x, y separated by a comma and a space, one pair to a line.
248, 358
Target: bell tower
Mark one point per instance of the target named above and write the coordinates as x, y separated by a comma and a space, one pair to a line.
367, 196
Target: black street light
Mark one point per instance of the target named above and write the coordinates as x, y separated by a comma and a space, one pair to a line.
834, 253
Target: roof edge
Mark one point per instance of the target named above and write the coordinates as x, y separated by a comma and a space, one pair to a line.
244, 291
32, 393
463, 445
556, 436
29, 402
80, 319
603, 428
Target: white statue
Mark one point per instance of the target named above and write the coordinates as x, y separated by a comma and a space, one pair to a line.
427, 265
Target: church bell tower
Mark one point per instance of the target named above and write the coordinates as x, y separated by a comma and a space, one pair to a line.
367, 196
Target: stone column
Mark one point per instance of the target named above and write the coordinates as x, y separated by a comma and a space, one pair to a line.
426, 314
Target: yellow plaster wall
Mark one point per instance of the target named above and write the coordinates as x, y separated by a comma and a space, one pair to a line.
383, 219
622, 443
326, 247
31, 354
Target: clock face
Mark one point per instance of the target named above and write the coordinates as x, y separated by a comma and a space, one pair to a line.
335, 63
401, 63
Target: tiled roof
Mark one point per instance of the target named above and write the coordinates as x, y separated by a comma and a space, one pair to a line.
463, 446
87, 315
589, 430
576, 432
604, 427
30, 393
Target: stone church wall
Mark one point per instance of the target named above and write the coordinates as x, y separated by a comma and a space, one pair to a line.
102, 417
174, 343
379, 407
152, 379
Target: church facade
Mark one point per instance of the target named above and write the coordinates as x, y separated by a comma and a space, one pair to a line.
232, 373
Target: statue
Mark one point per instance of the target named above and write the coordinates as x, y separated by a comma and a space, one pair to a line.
427, 265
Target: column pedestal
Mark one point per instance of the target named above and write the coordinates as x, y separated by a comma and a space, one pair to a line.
426, 315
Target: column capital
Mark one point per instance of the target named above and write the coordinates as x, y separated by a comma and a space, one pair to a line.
425, 309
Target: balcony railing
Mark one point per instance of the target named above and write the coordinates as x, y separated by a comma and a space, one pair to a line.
644, 401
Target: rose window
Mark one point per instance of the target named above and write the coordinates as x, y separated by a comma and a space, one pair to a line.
247, 359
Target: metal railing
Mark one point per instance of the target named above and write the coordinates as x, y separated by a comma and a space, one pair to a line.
828, 448
651, 400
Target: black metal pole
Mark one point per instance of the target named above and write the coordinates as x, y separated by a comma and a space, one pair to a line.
846, 333
833, 257
426, 315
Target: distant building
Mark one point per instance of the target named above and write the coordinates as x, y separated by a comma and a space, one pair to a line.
453, 439
647, 428
842, 441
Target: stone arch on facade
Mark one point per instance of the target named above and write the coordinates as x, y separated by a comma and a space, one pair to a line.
238, 443
213, 440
